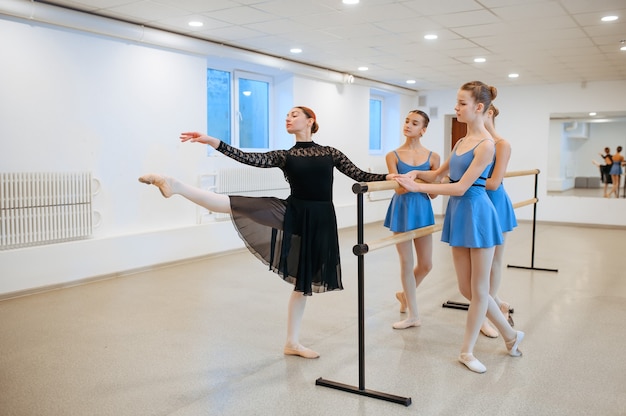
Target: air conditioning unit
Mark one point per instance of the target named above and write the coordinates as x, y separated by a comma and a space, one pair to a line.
576, 130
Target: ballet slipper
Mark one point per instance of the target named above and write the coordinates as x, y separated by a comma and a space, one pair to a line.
300, 351
505, 308
487, 330
159, 181
407, 323
472, 363
513, 344
402, 299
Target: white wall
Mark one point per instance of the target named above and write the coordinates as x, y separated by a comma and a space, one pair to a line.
73, 101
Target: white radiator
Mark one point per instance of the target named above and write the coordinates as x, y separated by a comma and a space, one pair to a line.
245, 181
40, 208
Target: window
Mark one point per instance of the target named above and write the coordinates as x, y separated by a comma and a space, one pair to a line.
238, 108
219, 118
376, 124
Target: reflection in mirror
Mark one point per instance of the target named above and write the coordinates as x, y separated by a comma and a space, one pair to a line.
575, 145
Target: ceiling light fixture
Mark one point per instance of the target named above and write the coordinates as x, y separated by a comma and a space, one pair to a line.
430, 37
410, 81
479, 60
513, 75
295, 50
362, 68
609, 18
623, 45
195, 23
350, 1
593, 114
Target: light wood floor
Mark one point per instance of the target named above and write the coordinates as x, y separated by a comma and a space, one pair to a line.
206, 338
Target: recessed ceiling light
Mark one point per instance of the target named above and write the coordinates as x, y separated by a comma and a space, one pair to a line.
479, 60
623, 47
350, 1
410, 81
593, 113
362, 68
195, 23
295, 50
609, 18
430, 37
513, 75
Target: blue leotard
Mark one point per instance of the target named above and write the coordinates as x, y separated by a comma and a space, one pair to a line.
504, 207
471, 219
616, 168
410, 210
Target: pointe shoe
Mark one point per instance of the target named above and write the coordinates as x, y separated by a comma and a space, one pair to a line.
487, 330
512, 345
301, 351
402, 299
158, 181
505, 308
472, 363
407, 323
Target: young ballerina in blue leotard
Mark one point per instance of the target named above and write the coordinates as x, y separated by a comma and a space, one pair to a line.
506, 214
411, 210
471, 225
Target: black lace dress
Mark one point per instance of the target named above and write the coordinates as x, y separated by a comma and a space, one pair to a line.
296, 237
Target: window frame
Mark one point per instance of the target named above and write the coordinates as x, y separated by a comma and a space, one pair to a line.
381, 99
234, 111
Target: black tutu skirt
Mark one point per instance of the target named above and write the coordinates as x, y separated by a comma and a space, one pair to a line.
296, 238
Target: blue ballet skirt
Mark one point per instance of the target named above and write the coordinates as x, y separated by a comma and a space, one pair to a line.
411, 210
504, 208
616, 168
471, 219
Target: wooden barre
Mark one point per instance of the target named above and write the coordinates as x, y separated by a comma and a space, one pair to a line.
360, 249
362, 187
524, 203
521, 173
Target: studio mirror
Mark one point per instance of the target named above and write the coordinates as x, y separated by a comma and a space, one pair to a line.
576, 142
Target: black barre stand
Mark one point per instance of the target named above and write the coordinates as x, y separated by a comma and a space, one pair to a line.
532, 255
463, 306
358, 189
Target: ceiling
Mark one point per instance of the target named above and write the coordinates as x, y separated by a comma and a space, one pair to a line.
544, 41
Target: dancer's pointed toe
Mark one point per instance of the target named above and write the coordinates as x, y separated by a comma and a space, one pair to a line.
513, 344
402, 299
159, 181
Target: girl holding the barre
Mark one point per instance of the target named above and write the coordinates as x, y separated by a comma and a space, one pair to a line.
471, 224
409, 211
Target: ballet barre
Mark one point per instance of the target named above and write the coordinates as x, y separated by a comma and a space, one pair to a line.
360, 249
